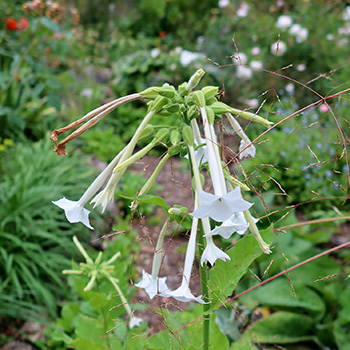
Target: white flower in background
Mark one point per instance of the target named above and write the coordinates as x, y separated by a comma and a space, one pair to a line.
346, 13
155, 53
244, 73
290, 88
323, 108
224, 3
220, 208
134, 321
300, 33
301, 67
153, 285
87, 92
330, 37
255, 51
279, 48
243, 10
250, 151
345, 30
283, 22
252, 102
241, 58
187, 57
256, 64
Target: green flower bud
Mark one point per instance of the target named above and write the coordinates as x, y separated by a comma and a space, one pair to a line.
162, 135
167, 91
198, 98
175, 137
158, 104
220, 108
173, 151
151, 93
182, 89
147, 133
210, 115
211, 100
183, 151
195, 79
174, 211
187, 135
192, 113
251, 116
210, 92
172, 108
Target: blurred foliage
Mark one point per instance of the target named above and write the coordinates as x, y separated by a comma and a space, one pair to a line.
36, 238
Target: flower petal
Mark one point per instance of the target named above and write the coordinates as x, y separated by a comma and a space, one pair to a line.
184, 294
74, 211
212, 253
153, 286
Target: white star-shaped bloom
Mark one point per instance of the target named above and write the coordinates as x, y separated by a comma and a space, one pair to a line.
212, 253
220, 208
134, 321
153, 286
236, 223
75, 211
184, 294
250, 151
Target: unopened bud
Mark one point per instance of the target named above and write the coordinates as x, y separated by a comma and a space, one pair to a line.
150, 93
210, 92
210, 115
175, 137
187, 135
194, 80
147, 133
167, 91
174, 211
158, 104
199, 99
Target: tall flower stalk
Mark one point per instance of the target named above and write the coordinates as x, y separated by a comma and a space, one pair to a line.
221, 213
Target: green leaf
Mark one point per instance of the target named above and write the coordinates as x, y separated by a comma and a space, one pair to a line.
150, 199
49, 24
224, 276
281, 327
59, 335
279, 293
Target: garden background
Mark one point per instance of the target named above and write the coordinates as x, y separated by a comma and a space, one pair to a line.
285, 60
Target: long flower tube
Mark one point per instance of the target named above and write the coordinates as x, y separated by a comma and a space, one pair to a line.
183, 293
246, 148
211, 252
107, 194
153, 284
74, 210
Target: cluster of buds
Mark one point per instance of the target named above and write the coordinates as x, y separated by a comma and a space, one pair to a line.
222, 213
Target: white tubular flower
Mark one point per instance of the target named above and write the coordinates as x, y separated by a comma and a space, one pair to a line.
184, 294
214, 161
74, 210
212, 252
220, 208
153, 285
106, 196
246, 149
283, 22
236, 223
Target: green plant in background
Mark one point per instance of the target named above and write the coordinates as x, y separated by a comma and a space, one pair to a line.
36, 242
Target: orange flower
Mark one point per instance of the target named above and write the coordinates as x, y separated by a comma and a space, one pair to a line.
162, 35
11, 23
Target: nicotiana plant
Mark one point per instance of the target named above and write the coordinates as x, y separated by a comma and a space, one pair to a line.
220, 212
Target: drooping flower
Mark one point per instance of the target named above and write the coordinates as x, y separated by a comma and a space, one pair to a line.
153, 285
183, 293
212, 252
236, 223
220, 208
244, 72
74, 211
246, 149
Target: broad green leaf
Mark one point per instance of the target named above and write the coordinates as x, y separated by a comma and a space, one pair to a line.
147, 198
91, 329
342, 323
224, 276
59, 335
279, 293
281, 327
69, 313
